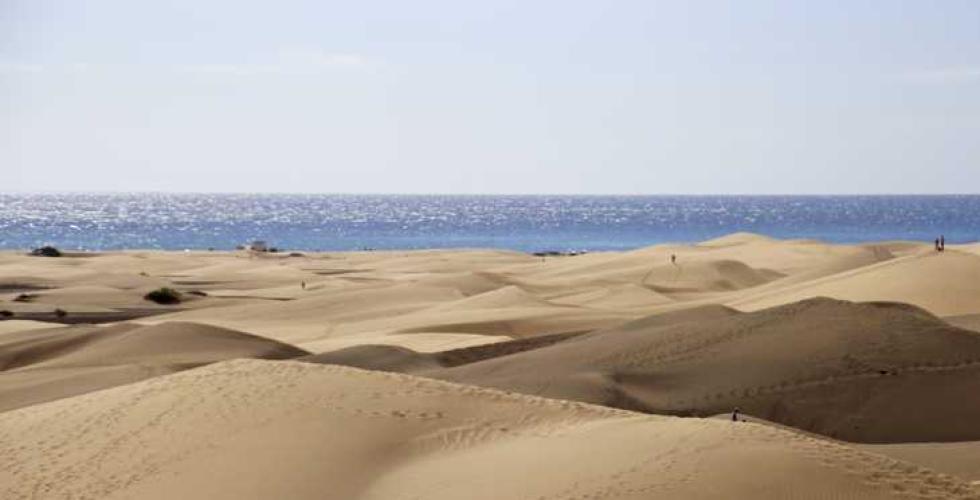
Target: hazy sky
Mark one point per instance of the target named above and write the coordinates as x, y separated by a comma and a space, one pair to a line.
490, 96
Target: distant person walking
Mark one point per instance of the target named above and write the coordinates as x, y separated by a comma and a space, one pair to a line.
302, 284
673, 258
735, 414
937, 245
942, 243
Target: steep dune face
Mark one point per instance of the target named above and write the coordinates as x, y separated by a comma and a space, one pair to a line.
42, 365
316, 315
260, 429
20, 325
711, 275
388, 358
735, 239
509, 310
860, 372
945, 283
500, 298
967, 321
627, 296
698, 272
467, 283
959, 459
395, 358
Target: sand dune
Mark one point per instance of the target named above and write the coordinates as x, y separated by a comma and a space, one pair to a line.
960, 459
419, 342
42, 365
499, 298
945, 284
968, 321
397, 358
388, 358
626, 296
98, 411
20, 325
860, 372
260, 429
642, 268
317, 314
466, 283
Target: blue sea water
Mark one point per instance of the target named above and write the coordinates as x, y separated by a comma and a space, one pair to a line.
348, 222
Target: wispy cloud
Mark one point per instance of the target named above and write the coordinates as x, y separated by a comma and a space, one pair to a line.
314, 58
227, 69
945, 76
20, 68
287, 62
30, 68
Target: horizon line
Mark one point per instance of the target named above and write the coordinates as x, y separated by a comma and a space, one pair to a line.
375, 193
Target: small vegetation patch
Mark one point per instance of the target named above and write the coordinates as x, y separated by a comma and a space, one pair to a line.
26, 297
6, 314
61, 313
46, 251
164, 296
199, 293
556, 253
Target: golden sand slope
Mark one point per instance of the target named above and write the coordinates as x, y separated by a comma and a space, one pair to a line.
395, 358
18, 325
444, 296
631, 329
42, 365
261, 429
429, 301
873, 372
945, 283
960, 459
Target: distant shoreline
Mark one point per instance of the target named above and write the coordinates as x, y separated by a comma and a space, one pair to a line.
286, 252
515, 222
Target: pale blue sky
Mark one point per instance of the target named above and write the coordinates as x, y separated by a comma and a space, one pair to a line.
490, 97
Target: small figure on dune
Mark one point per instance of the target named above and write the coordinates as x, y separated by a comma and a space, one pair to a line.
302, 284
735, 414
937, 244
942, 243
673, 258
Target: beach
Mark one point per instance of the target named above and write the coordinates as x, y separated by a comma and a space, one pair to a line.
487, 373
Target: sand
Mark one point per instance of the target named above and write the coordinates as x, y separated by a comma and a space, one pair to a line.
260, 429
495, 374
859, 372
43, 365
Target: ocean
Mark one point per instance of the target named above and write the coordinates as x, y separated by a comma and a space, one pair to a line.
526, 223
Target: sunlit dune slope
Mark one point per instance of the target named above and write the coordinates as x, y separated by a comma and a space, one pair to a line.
876, 372
265, 429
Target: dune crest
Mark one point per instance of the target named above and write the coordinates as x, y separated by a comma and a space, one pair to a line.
858, 372
875, 344
242, 429
43, 365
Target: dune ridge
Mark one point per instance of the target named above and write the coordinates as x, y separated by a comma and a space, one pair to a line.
837, 368
43, 365
495, 374
390, 435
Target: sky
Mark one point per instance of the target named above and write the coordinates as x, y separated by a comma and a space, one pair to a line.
564, 97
